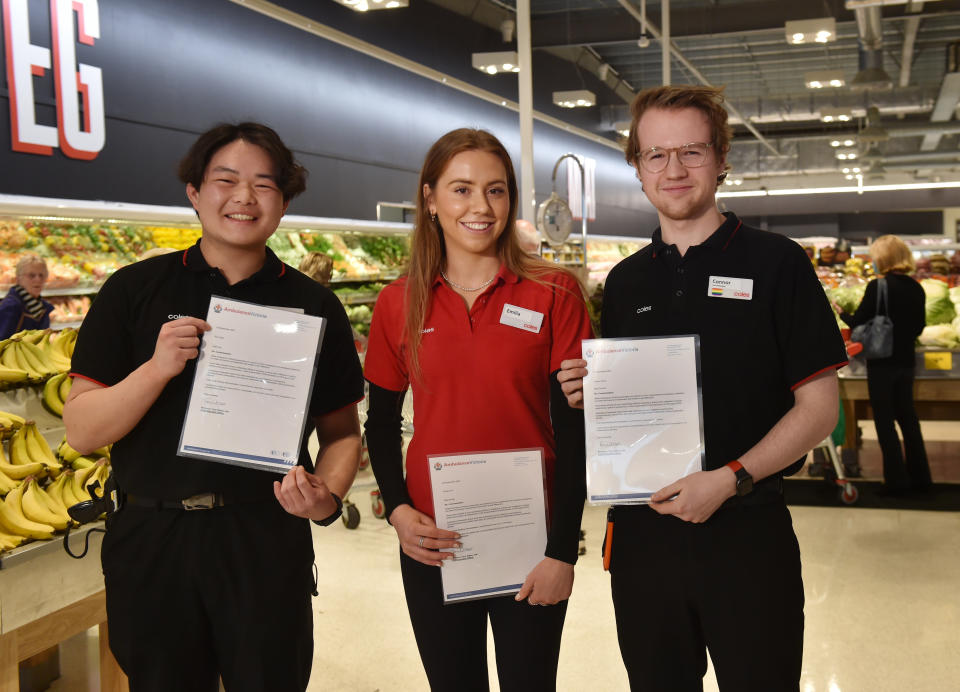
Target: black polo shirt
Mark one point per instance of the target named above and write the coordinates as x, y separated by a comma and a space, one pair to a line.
754, 352
120, 334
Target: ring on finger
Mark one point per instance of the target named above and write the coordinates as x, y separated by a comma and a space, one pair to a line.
420, 544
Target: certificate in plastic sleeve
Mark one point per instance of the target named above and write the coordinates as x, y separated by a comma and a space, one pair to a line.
248, 404
495, 501
643, 413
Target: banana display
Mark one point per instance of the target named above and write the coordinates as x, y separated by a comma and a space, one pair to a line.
35, 355
29, 510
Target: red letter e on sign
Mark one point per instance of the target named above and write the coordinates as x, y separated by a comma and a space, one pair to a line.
76, 85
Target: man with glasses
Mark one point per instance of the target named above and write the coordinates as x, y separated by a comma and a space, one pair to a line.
712, 562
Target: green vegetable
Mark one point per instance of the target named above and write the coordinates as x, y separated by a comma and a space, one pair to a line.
940, 336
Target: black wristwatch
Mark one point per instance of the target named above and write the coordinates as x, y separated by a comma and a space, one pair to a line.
744, 479
336, 513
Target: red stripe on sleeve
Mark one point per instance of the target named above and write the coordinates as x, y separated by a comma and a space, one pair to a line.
88, 379
818, 372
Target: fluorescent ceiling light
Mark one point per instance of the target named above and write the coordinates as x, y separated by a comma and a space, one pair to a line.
493, 63
799, 31
579, 98
365, 5
824, 79
841, 189
835, 115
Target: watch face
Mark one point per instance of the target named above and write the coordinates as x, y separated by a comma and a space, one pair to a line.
744, 484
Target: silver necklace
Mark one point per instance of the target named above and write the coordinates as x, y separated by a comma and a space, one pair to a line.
464, 288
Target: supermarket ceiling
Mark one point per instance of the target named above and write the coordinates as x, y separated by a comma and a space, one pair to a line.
894, 117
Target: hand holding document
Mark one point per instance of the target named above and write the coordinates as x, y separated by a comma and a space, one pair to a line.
248, 405
643, 416
495, 501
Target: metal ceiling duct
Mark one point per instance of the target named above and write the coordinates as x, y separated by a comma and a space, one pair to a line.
870, 27
807, 106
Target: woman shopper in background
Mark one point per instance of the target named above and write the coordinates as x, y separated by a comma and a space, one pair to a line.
890, 380
479, 384
23, 308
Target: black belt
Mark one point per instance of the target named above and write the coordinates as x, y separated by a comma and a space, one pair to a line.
201, 501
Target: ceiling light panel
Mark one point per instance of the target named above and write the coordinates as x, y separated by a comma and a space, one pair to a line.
802, 31
824, 79
579, 98
495, 63
367, 5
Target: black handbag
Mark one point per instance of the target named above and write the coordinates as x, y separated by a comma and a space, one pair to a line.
876, 334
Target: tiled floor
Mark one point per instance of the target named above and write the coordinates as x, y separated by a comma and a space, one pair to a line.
883, 607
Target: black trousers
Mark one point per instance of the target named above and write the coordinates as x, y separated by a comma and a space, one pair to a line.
226, 592
731, 585
891, 398
452, 639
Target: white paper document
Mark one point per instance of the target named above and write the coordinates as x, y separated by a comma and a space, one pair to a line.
495, 501
248, 405
643, 416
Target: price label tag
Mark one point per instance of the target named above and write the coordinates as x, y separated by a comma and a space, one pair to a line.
938, 360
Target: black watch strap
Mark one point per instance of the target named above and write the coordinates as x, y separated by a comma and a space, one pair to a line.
744, 479
336, 513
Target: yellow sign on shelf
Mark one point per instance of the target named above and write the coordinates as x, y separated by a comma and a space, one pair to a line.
938, 360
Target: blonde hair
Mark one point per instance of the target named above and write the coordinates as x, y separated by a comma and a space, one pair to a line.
427, 251
892, 255
30, 259
318, 266
707, 100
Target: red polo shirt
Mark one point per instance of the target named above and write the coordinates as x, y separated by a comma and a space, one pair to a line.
485, 384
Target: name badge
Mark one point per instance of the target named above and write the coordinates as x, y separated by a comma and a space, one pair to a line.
521, 318
728, 287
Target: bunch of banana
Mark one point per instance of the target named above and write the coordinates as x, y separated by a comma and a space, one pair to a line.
55, 391
40, 507
18, 354
14, 521
60, 349
28, 448
9, 423
68, 454
73, 488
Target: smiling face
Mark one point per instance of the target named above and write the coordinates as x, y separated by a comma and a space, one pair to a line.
471, 201
677, 192
239, 203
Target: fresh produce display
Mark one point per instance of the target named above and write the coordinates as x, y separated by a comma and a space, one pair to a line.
360, 316
178, 238
940, 309
38, 486
33, 356
68, 308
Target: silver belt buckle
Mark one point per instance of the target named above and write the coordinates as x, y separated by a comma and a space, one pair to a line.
201, 501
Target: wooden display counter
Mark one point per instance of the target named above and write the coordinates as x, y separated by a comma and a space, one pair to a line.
935, 399
46, 597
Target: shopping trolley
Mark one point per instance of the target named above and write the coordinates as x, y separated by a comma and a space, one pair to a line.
836, 475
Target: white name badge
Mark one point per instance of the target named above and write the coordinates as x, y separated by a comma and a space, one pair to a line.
521, 318
728, 287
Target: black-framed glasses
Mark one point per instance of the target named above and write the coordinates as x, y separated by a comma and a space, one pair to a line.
692, 155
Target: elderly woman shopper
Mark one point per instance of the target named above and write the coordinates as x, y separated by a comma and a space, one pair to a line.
23, 308
890, 380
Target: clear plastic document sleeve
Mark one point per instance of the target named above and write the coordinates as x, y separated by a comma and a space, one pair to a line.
643, 413
248, 404
495, 501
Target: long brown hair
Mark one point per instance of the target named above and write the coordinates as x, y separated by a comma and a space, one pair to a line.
427, 250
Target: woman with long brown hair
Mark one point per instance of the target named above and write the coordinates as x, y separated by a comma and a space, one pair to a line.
481, 382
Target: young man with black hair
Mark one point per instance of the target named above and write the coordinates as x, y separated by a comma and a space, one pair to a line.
225, 591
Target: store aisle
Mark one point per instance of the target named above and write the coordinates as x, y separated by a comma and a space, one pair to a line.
883, 608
